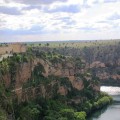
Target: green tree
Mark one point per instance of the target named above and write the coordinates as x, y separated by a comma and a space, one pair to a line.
68, 113
29, 113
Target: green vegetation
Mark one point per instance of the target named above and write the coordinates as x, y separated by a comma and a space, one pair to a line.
48, 110
6, 102
3, 115
55, 109
76, 44
103, 100
106, 52
54, 106
91, 105
52, 56
10, 64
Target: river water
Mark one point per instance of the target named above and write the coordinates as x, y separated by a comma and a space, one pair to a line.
111, 112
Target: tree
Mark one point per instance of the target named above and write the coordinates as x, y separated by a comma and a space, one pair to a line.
29, 113
68, 113
47, 44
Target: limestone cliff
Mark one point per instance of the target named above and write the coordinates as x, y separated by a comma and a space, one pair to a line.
103, 60
43, 77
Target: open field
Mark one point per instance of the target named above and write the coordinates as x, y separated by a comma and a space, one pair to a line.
74, 44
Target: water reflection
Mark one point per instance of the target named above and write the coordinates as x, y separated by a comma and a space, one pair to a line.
112, 111
97, 114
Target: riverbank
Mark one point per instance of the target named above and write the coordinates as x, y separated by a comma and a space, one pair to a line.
110, 112
55, 109
89, 107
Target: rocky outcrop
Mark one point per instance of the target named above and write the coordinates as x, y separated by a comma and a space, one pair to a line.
103, 60
24, 73
108, 74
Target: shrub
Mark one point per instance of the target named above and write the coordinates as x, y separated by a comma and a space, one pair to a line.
80, 116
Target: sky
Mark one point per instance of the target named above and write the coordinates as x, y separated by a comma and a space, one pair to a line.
55, 20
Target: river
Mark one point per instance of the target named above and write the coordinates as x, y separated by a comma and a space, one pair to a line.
111, 112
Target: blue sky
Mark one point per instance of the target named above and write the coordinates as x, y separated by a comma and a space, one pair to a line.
44, 20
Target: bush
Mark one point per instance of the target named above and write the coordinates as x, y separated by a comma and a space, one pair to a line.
87, 107
102, 102
80, 116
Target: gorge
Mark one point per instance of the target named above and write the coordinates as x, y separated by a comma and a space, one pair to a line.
57, 83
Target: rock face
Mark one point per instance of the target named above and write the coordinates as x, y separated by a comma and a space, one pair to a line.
62, 90
103, 60
24, 73
108, 74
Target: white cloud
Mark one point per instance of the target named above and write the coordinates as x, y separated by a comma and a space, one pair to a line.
12, 4
94, 17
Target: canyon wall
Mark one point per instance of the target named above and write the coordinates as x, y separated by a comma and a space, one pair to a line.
62, 78
103, 60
